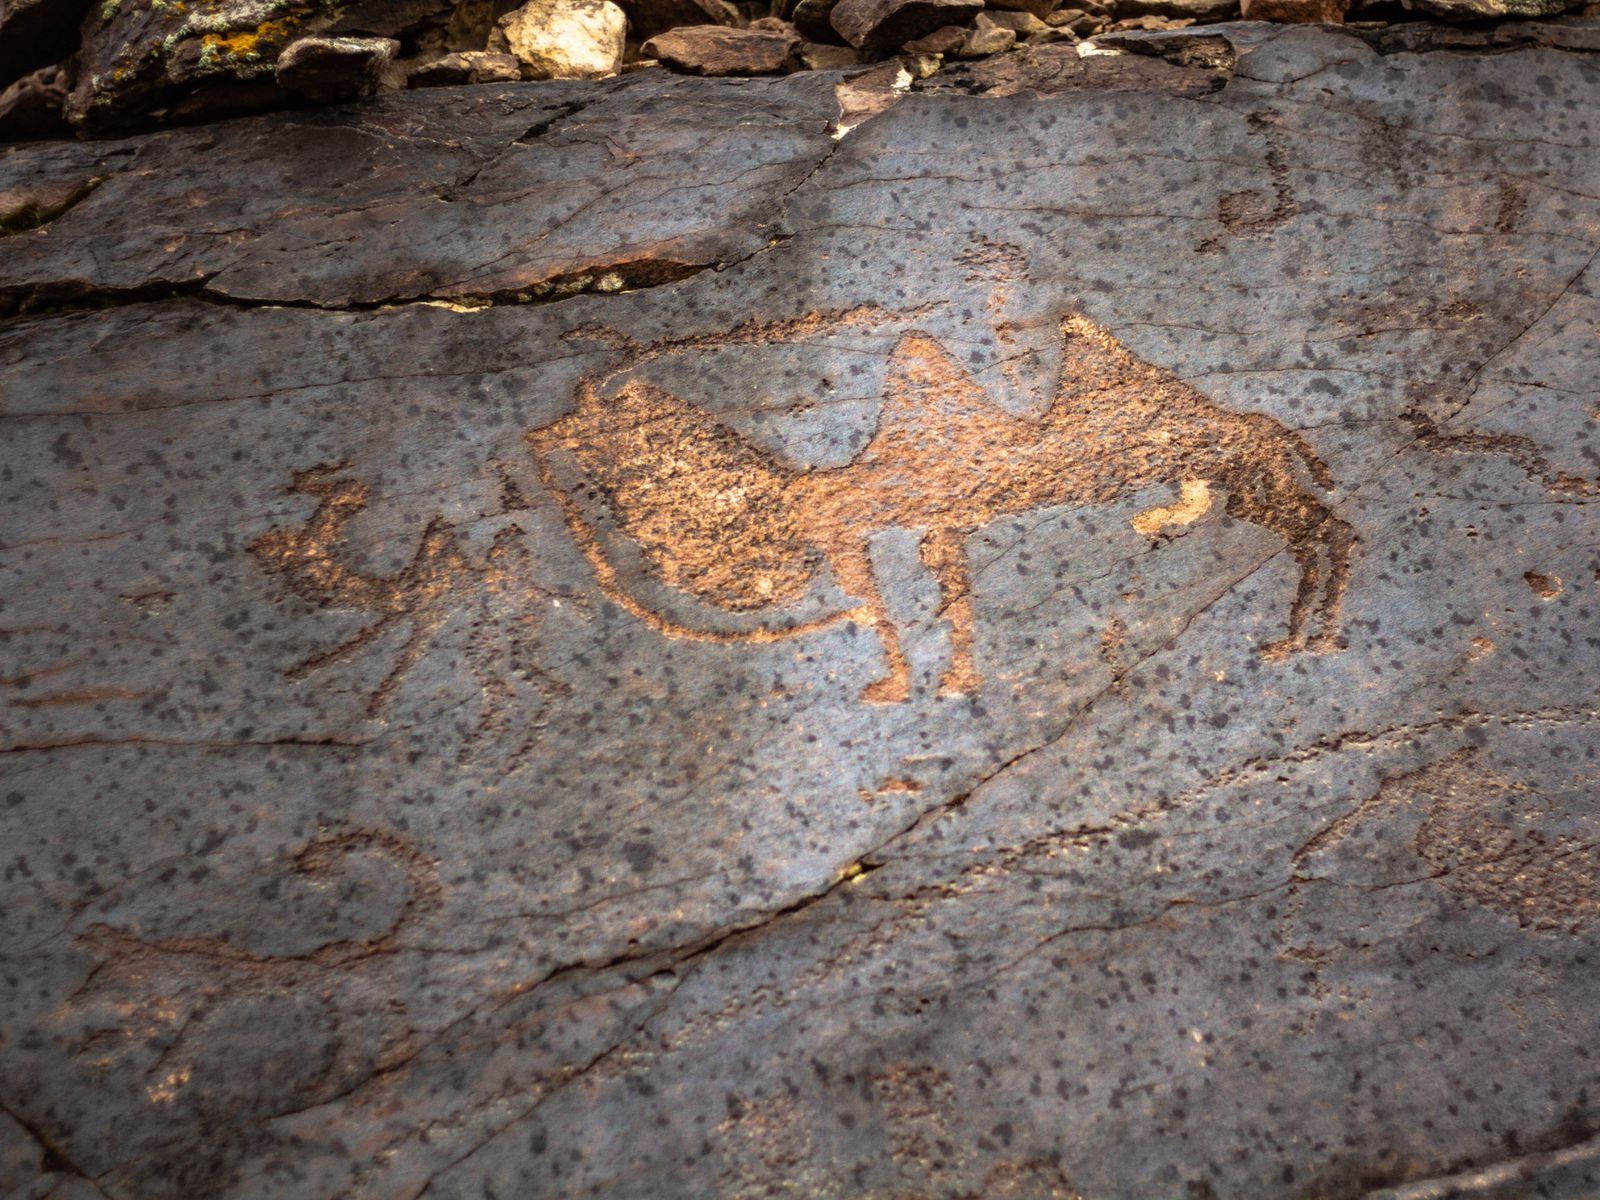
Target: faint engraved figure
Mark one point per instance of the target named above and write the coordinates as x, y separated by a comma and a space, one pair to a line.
733, 525
442, 580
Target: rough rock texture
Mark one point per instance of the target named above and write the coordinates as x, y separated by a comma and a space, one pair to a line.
889, 24
1477, 10
813, 18
140, 59
987, 37
466, 66
1292, 12
1200, 10
647, 18
600, 640
717, 50
563, 39
31, 107
36, 33
337, 68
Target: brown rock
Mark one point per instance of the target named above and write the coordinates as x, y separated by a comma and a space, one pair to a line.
466, 66
718, 50
563, 39
890, 24
31, 107
941, 41
327, 69
812, 19
646, 18
1295, 12
986, 37
1198, 10
1152, 23
36, 33
1039, 8
819, 56
1020, 23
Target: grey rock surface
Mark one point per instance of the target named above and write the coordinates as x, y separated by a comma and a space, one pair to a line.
628, 639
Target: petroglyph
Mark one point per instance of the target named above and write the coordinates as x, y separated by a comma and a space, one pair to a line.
497, 597
732, 525
156, 998
1487, 838
928, 1153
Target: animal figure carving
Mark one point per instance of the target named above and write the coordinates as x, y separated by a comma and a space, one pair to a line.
736, 527
441, 583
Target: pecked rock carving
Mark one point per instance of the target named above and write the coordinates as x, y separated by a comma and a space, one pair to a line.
439, 582
734, 526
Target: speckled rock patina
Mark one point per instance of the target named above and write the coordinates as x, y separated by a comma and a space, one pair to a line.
636, 639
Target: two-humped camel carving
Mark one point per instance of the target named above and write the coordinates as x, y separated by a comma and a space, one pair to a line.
734, 526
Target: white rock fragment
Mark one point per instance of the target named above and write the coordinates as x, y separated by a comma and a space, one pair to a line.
563, 39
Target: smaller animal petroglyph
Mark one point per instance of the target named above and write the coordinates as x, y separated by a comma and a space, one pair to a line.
1487, 838
147, 1014
918, 1142
496, 596
734, 526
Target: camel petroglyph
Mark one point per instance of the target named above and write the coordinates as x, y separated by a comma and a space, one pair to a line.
734, 526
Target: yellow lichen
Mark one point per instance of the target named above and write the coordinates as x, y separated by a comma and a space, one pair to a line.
246, 43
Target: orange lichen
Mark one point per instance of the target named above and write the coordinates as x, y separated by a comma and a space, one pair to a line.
246, 43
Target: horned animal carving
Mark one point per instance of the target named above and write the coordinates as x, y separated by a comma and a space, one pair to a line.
734, 526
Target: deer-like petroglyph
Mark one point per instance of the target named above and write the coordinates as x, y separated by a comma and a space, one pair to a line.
735, 526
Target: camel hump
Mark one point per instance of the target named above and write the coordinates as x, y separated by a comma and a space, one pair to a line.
932, 402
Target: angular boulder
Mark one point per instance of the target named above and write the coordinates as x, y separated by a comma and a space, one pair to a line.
890, 24
986, 37
563, 39
718, 50
812, 19
326, 69
466, 66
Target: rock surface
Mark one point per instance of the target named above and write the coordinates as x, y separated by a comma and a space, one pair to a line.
31, 107
717, 50
889, 24
646, 18
329, 69
35, 34
466, 66
139, 61
601, 640
1292, 12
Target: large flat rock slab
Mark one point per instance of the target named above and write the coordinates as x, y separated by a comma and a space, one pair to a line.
651, 639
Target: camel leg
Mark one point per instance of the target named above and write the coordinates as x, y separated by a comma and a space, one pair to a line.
852, 569
1321, 544
1337, 539
944, 553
